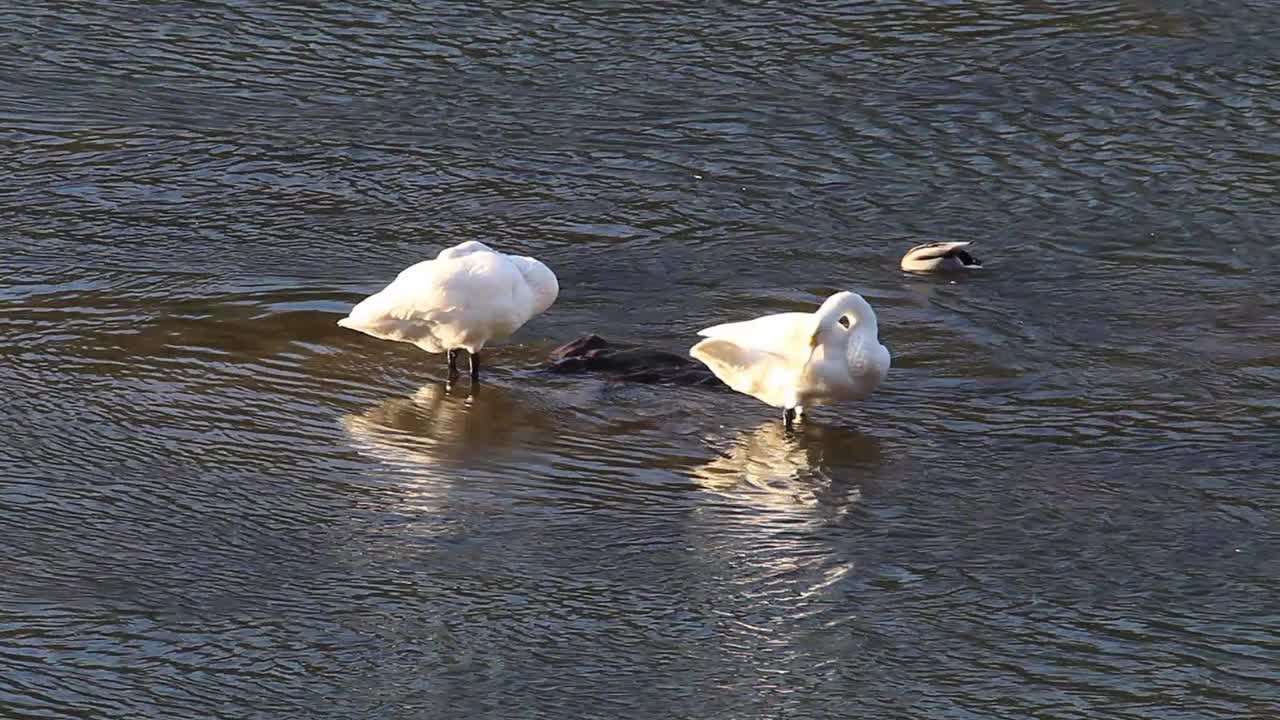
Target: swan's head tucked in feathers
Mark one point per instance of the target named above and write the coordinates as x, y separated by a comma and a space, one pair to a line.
461, 249
541, 281
841, 314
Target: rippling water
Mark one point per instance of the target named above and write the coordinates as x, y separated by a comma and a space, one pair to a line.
216, 503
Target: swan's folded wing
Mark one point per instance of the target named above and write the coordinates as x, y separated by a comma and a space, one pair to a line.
786, 335
426, 300
417, 296
754, 372
387, 317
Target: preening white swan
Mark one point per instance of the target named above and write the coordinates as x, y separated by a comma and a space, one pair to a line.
467, 296
794, 360
940, 257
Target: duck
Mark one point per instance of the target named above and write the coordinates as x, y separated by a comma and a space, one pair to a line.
940, 257
795, 360
465, 298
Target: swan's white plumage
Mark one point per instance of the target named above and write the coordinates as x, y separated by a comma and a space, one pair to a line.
783, 334
758, 357
464, 298
792, 360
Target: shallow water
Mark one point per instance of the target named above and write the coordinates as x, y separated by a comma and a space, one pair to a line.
216, 503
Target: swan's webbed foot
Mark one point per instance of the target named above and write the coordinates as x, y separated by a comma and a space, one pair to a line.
788, 418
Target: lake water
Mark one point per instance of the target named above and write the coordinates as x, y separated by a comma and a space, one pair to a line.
1062, 504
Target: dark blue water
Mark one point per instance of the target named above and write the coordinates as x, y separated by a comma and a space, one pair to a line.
216, 503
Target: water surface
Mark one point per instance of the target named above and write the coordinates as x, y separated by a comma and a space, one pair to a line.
216, 503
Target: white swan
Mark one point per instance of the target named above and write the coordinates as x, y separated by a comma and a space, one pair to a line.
467, 296
794, 360
940, 257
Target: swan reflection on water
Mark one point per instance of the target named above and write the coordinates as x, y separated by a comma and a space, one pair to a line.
771, 468
439, 435
442, 425
770, 527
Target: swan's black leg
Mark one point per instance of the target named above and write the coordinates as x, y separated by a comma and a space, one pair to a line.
788, 418
453, 364
475, 366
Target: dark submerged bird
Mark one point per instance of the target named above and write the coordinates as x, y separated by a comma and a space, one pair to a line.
592, 353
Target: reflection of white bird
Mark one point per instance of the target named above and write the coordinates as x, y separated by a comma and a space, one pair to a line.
762, 469
437, 426
794, 360
437, 440
464, 298
940, 257
770, 468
